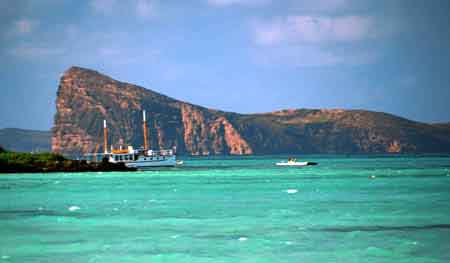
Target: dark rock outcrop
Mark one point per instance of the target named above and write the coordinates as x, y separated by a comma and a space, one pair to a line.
86, 97
14, 162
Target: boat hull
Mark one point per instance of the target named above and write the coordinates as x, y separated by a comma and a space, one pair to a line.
145, 165
295, 164
292, 164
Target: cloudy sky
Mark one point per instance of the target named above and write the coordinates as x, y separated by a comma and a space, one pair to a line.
236, 55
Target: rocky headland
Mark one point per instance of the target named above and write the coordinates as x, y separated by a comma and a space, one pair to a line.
86, 97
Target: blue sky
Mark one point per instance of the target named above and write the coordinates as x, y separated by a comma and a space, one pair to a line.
237, 55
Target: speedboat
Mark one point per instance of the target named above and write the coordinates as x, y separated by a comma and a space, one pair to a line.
290, 163
293, 162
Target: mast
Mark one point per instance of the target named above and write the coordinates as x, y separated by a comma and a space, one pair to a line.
144, 126
105, 137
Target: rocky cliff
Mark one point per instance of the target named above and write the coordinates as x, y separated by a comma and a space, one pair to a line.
86, 97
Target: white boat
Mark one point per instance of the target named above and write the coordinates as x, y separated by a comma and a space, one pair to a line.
293, 162
143, 158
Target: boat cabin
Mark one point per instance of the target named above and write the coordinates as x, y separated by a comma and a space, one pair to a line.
130, 155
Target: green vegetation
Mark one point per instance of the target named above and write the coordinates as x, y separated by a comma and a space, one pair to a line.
14, 162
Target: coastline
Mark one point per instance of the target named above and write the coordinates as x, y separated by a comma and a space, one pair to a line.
14, 162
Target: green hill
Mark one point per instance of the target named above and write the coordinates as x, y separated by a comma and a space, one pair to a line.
20, 140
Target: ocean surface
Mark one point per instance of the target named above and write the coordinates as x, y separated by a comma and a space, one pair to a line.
346, 209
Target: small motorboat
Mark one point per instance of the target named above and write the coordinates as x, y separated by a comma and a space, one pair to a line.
293, 162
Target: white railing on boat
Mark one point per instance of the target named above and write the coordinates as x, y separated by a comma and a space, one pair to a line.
160, 153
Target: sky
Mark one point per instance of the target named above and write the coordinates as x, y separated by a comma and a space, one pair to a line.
243, 56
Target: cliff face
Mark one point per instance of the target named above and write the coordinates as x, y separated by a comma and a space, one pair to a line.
86, 97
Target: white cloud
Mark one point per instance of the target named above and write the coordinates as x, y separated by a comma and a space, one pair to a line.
118, 55
224, 3
36, 52
24, 26
316, 40
145, 8
103, 6
322, 5
71, 32
312, 56
106, 51
314, 29
269, 33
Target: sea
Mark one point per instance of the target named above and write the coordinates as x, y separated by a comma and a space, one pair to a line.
234, 209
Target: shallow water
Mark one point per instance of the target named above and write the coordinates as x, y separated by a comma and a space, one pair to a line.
346, 209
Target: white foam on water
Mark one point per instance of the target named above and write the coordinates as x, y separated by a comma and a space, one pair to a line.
74, 208
6, 257
106, 247
56, 182
289, 243
291, 191
116, 209
152, 200
242, 239
175, 236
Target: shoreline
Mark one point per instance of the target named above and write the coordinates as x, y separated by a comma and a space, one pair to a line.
14, 162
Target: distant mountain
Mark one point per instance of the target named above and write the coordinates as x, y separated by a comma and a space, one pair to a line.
86, 97
445, 125
20, 140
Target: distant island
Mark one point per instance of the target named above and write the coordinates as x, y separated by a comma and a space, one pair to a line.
22, 140
85, 98
14, 162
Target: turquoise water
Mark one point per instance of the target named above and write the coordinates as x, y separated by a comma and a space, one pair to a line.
355, 209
